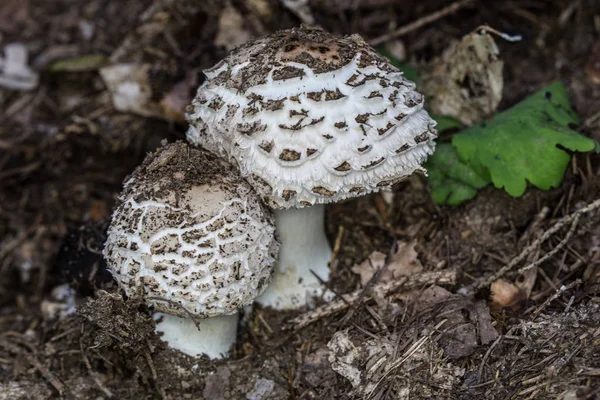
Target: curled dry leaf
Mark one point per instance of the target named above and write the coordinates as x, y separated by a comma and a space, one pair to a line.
363, 365
345, 357
466, 81
404, 262
132, 90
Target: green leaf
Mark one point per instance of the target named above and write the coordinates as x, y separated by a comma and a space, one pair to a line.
452, 182
524, 142
444, 122
408, 70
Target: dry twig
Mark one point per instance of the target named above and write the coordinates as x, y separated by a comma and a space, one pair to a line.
572, 219
427, 19
93, 373
556, 249
555, 296
412, 350
445, 277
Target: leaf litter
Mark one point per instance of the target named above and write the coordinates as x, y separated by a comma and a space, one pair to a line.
415, 339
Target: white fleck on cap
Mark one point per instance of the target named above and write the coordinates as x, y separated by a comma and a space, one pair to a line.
312, 118
191, 234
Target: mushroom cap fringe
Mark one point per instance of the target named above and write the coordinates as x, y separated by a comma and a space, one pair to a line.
309, 118
190, 236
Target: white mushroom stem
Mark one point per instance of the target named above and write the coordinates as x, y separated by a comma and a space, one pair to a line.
304, 247
215, 337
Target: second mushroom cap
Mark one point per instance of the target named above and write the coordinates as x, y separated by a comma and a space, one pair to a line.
190, 236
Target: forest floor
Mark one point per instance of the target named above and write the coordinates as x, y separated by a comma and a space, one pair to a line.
65, 150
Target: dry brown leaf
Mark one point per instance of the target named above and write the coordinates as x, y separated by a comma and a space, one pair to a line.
132, 90
432, 295
526, 281
479, 313
466, 81
467, 325
404, 262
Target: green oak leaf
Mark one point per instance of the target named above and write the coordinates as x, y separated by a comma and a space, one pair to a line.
525, 143
452, 182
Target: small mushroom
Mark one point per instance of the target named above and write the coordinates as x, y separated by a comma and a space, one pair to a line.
193, 240
335, 134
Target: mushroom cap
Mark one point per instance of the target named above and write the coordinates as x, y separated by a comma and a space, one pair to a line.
312, 118
190, 235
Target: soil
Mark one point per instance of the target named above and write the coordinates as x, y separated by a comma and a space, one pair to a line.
66, 331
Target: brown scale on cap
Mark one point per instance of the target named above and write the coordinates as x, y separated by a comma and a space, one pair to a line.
313, 47
345, 166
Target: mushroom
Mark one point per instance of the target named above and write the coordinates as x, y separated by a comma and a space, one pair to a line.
310, 119
192, 239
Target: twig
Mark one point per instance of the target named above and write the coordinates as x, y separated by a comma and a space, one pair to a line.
409, 353
591, 120
162, 392
336, 248
536, 224
30, 356
50, 377
555, 296
445, 277
489, 352
427, 19
503, 35
93, 374
569, 219
556, 249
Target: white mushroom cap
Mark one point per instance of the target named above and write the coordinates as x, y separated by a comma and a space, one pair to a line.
312, 118
191, 232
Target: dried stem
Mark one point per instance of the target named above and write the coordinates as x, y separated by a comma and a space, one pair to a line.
445, 277
572, 219
427, 19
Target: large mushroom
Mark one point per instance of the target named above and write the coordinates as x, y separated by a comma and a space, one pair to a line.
193, 240
310, 119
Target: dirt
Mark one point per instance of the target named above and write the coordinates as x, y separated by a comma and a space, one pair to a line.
65, 150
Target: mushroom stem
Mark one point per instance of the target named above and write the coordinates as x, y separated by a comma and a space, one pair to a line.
304, 247
215, 337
